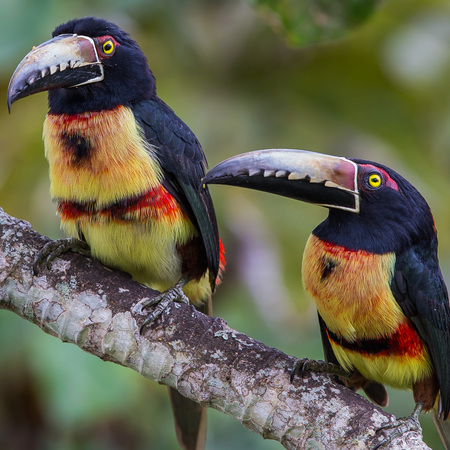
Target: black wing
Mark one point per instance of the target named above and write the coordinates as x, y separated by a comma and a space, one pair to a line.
420, 290
183, 163
327, 350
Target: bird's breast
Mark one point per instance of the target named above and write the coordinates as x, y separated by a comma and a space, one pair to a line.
99, 156
365, 325
351, 289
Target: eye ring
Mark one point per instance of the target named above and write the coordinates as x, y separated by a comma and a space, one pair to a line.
108, 47
374, 180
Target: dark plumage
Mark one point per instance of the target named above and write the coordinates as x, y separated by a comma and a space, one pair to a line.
388, 220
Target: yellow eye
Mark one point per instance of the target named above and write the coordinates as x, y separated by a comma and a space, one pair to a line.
374, 180
108, 47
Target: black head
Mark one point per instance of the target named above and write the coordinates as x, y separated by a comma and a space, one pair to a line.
393, 214
96, 45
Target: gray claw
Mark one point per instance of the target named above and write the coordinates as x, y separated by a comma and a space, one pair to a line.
401, 426
173, 294
53, 249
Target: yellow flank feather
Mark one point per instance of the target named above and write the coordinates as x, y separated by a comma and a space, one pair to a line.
398, 371
118, 166
145, 249
353, 296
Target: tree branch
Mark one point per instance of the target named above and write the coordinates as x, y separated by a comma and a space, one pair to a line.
82, 302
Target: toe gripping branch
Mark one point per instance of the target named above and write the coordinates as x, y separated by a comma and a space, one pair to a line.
303, 365
162, 301
53, 249
401, 426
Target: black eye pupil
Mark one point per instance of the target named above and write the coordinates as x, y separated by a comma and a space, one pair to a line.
374, 180
108, 47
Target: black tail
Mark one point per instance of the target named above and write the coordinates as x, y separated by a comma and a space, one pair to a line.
190, 421
190, 417
443, 427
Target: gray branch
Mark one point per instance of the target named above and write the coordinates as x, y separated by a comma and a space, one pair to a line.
82, 302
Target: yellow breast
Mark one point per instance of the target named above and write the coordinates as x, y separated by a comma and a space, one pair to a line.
116, 163
351, 290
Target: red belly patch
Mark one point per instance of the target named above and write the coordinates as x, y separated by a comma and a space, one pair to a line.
404, 342
155, 203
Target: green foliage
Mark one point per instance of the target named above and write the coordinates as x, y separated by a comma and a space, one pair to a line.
312, 21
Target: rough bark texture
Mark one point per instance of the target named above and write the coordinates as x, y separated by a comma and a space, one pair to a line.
82, 302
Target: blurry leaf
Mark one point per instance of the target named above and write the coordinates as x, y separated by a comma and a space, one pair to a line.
311, 21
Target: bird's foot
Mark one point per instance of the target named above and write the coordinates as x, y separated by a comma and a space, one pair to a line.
401, 426
305, 364
162, 301
53, 249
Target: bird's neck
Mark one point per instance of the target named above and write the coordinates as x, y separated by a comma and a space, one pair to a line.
355, 232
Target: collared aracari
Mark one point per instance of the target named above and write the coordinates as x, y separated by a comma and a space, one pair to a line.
371, 267
125, 171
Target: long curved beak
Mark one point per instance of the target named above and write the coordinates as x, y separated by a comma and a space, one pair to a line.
64, 61
316, 178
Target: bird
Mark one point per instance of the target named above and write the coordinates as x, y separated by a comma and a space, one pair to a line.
125, 174
371, 267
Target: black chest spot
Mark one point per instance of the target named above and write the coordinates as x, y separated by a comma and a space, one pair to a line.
78, 146
327, 265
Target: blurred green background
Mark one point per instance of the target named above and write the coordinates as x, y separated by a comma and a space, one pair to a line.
352, 78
